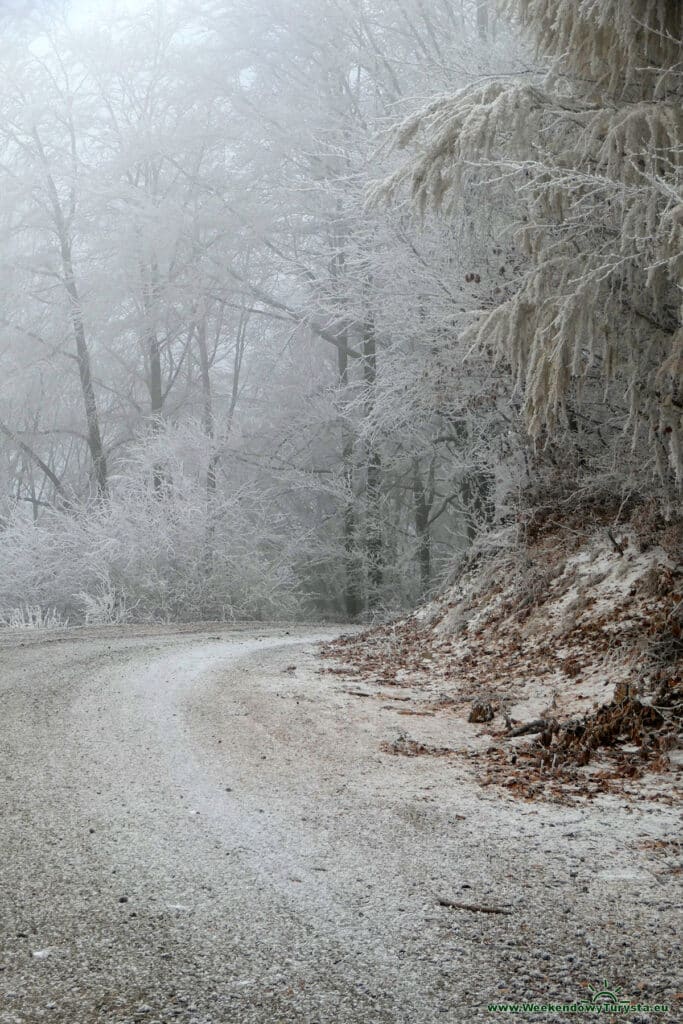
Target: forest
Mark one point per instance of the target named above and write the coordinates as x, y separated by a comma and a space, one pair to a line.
303, 302
341, 511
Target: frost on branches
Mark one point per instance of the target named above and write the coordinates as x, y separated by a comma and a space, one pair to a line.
585, 161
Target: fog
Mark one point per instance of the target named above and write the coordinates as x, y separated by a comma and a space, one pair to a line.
242, 367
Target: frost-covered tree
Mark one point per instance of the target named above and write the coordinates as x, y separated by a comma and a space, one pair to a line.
320, 90
276, 373
585, 161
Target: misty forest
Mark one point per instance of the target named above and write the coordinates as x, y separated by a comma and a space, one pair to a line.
341, 511
299, 301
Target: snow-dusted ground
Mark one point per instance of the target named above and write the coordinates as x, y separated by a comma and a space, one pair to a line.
201, 827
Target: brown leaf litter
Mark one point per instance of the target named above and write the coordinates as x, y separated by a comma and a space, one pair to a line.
578, 645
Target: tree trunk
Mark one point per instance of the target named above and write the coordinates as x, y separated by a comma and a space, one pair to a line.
217, 445
353, 598
150, 294
95, 446
423, 497
352, 583
207, 406
373, 534
477, 491
483, 18
208, 423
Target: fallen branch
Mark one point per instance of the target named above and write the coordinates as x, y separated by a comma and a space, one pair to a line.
413, 748
376, 693
480, 908
538, 725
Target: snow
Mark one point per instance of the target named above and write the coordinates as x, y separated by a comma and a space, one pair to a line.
555, 651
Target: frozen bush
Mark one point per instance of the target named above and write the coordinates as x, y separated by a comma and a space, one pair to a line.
28, 616
150, 554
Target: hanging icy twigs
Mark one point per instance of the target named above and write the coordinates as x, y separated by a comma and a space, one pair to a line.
590, 159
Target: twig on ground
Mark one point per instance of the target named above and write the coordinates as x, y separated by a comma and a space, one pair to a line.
538, 725
480, 908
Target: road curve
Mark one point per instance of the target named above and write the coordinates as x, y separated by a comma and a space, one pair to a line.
200, 828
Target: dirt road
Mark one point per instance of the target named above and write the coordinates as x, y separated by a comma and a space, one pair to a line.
201, 828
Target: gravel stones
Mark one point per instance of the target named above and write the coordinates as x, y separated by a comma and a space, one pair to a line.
263, 936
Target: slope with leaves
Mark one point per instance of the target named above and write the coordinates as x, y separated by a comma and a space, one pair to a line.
573, 637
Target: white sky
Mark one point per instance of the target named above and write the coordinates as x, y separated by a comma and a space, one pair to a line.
83, 11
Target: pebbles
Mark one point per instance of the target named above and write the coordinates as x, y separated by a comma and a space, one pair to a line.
326, 909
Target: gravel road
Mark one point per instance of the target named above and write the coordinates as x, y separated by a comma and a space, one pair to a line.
199, 827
